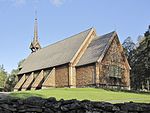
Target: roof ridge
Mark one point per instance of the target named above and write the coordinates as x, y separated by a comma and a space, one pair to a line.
95, 49
65, 38
107, 46
109, 33
55, 54
98, 36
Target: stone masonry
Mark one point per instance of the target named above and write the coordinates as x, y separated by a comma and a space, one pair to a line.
51, 105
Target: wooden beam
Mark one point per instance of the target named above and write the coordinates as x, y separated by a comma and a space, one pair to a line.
20, 83
77, 56
83, 47
97, 74
38, 80
72, 76
50, 80
28, 82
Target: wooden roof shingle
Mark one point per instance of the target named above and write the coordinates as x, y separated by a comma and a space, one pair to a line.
95, 49
63, 51
55, 54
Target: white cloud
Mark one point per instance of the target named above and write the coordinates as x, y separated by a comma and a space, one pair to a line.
57, 3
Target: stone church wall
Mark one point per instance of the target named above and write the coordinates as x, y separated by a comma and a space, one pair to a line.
85, 75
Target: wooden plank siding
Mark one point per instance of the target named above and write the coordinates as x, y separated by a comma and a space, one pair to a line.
62, 76
85, 75
109, 60
84, 59
77, 57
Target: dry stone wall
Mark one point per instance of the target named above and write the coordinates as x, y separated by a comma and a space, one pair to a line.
51, 105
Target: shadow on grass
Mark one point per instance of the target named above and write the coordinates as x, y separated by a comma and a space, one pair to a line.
126, 91
24, 95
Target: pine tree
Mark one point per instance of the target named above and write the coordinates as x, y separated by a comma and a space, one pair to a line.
128, 46
140, 64
3, 76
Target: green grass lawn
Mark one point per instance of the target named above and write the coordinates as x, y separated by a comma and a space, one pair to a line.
85, 93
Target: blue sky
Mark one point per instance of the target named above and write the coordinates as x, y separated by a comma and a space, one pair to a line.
58, 19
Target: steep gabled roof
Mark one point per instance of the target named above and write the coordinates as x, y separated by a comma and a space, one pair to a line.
96, 49
55, 54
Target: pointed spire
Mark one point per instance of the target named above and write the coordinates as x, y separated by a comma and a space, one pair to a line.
35, 28
35, 45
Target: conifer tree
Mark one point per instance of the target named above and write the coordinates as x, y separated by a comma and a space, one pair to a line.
140, 63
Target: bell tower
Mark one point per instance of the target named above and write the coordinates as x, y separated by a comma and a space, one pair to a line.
35, 45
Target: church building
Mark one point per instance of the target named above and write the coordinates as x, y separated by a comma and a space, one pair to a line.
82, 60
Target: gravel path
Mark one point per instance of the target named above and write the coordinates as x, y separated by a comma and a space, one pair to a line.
125, 100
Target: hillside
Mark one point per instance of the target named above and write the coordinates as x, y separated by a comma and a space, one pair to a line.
85, 93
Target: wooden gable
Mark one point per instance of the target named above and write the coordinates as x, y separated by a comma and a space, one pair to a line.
114, 65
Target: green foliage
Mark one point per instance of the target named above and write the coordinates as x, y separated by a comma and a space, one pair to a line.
147, 33
12, 78
140, 64
85, 93
128, 46
139, 60
3, 76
